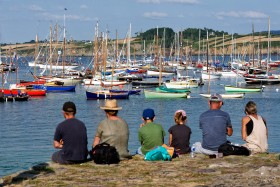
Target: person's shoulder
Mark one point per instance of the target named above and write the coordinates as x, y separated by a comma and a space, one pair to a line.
172, 127
246, 119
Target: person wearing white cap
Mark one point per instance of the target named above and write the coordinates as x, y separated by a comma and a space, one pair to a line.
215, 125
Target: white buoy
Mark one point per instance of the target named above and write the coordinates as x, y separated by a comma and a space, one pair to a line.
277, 89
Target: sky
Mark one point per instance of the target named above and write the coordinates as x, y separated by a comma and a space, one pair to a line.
21, 20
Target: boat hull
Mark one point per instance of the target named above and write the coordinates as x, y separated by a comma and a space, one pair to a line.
170, 90
163, 95
144, 84
60, 88
130, 92
242, 89
261, 81
226, 96
106, 95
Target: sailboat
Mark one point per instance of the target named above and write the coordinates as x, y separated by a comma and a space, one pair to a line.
226, 95
102, 90
162, 91
209, 75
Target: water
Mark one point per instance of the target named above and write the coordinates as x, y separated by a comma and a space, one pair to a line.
27, 128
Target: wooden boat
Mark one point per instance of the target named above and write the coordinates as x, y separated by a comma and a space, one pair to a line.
157, 73
68, 66
93, 95
16, 97
58, 87
130, 92
164, 95
182, 84
210, 75
31, 90
12, 95
262, 80
170, 90
103, 83
228, 73
144, 84
229, 88
27, 83
129, 78
226, 96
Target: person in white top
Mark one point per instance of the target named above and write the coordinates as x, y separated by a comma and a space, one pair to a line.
254, 130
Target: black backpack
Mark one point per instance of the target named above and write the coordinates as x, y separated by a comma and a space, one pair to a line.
105, 154
230, 149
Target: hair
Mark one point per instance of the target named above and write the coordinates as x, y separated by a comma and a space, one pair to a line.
70, 113
179, 117
251, 108
112, 112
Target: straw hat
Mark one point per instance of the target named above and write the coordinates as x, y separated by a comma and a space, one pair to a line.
111, 105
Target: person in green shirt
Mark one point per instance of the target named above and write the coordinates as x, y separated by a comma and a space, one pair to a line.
150, 134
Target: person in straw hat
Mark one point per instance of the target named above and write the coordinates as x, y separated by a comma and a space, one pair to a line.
113, 130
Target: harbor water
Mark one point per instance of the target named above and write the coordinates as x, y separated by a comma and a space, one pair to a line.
27, 128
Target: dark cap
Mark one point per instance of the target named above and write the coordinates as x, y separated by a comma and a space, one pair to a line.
69, 107
148, 114
216, 98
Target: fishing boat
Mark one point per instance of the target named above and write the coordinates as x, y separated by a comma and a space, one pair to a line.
94, 95
226, 96
164, 95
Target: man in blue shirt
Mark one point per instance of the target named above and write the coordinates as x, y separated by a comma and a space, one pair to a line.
71, 137
215, 125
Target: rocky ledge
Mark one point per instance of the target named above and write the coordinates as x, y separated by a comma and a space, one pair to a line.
256, 170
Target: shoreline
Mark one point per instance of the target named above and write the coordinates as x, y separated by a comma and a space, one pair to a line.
256, 170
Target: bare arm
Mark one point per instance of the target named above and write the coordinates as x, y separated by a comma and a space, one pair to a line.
245, 121
170, 139
265, 126
96, 141
229, 131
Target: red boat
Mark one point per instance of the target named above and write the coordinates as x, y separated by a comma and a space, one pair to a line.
27, 83
30, 92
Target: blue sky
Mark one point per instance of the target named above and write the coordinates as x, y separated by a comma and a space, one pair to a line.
20, 20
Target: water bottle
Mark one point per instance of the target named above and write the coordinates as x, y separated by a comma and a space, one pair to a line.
192, 154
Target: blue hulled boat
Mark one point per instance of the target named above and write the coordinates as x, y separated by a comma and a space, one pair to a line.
92, 95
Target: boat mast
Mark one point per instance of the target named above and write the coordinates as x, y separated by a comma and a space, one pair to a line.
64, 46
268, 46
199, 33
128, 46
16, 63
35, 54
50, 51
253, 45
95, 50
207, 59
